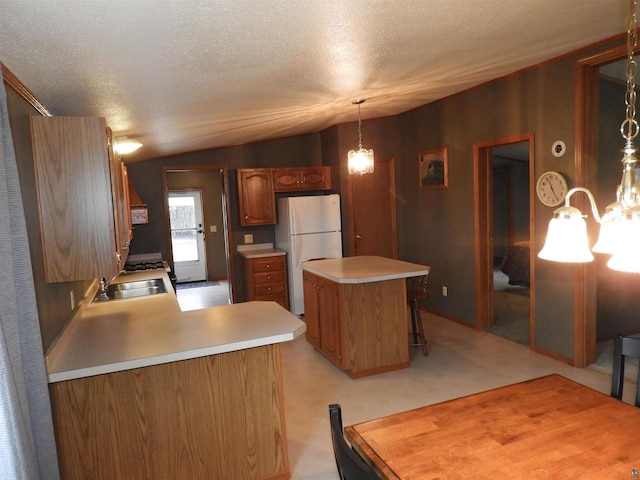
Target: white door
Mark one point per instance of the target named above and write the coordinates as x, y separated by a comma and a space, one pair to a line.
187, 235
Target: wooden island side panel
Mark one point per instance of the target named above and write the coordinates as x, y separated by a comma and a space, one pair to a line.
375, 319
220, 416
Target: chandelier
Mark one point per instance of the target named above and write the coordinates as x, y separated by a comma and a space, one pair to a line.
567, 239
360, 161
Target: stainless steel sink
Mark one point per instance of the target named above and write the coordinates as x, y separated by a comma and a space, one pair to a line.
139, 288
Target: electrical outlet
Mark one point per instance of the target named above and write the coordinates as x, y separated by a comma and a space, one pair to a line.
72, 298
445, 291
248, 238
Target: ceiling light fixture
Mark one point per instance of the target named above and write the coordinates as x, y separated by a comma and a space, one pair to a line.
620, 225
361, 161
125, 145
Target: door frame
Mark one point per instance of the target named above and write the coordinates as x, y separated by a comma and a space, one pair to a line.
390, 164
204, 252
587, 96
226, 213
483, 221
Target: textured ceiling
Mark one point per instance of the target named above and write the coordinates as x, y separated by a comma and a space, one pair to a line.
184, 75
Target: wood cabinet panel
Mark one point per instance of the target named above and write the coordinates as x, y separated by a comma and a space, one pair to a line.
266, 279
75, 197
362, 328
301, 178
257, 204
322, 314
311, 309
220, 416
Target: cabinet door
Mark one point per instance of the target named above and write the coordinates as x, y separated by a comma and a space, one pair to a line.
75, 198
256, 197
286, 179
315, 178
329, 310
121, 204
311, 309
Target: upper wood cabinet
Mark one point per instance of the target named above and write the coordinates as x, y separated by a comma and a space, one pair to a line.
81, 199
257, 203
301, 178
257, 188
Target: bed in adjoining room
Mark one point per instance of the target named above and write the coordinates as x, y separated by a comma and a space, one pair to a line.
515, 264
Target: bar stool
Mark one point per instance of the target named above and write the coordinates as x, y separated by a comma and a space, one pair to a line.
417, 290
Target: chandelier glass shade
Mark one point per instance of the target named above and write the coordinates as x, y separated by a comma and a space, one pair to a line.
619, 236
360, 161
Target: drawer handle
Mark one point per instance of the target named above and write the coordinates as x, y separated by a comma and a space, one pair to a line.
269, 289
268, 277
268, 265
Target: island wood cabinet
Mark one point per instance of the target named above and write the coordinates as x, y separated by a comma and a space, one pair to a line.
266, 279
257, 203
322, 316
361, 327
301, 178
257, 188
188, 419
82, 198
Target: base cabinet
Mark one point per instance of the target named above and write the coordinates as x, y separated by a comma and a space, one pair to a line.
322, 316
266, 279
361, 327
189, 419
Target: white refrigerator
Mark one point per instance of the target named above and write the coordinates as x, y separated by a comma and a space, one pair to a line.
308, 227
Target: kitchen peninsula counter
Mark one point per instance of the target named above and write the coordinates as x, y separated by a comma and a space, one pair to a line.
356, 311
141, 389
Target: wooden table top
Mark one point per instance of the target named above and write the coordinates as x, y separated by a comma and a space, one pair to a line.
549, 428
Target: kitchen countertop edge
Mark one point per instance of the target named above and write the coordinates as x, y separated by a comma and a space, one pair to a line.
108, 337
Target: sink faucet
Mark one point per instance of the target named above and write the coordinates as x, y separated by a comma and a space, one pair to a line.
102, 291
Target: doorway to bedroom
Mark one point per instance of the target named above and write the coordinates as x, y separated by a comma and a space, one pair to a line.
504, 226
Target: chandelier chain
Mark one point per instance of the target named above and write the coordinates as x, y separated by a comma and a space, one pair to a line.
359, 128
629, 128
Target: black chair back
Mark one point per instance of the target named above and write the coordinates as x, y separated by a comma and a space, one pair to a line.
623, 347
350, 465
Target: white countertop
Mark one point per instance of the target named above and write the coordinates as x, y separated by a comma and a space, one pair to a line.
364, 269
119, 335
260, 250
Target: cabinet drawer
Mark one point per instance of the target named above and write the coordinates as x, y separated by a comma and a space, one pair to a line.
269, 289
276, 276
274, 297
268, 264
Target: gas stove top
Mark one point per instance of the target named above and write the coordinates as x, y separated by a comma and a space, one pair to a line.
134, 267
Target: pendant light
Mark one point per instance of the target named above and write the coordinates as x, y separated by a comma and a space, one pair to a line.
360, 161
567, 239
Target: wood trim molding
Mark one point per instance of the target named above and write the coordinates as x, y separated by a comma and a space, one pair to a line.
15, 83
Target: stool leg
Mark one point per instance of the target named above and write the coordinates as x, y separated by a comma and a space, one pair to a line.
423, 339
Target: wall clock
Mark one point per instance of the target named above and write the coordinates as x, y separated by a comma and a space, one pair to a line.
552, 188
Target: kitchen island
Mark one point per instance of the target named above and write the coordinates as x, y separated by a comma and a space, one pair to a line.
356, 311
143, 390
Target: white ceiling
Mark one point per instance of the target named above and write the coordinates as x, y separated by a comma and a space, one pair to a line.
184, 75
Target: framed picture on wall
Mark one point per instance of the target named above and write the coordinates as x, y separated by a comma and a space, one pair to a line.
434, 169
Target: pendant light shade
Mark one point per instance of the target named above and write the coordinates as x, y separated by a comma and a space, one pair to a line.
360, 161
567, 239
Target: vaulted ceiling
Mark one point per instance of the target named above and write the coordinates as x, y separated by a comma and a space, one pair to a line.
182, 75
